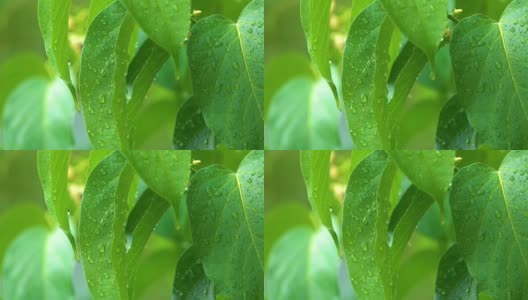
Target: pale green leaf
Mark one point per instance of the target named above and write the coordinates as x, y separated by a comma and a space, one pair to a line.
229, 238
96, 6
490, 62
227, 67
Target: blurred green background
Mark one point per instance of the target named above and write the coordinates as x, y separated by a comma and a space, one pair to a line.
287, 209
22, 210
290, 123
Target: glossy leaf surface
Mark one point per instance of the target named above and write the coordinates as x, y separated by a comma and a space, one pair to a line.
227, 67
489, 213
454, 130
229, 239
190, 281
490, 62
191, 132
453, 280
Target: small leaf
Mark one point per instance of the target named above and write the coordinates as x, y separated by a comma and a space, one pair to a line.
489, 211
453, 280
454, 130
166, 22
190, 281
490, 61
104, 64
430, 171
53, 16
227, 67
50, 124
422, 21
102, 223
42, 261
365, 233
165, 172
365, 76
53, 173
303, 116
303, 265
229, 239
191, 132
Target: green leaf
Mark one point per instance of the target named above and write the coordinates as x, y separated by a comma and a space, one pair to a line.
454, 130
230, 237
165, 172
315, 20
96, 6
53, 17
166, 22
190, 281
227, 67
96, 156
38, 265
365, 68
104, 64
489, 210
51, 121
430, 171
423, 22
410, 209
365, 231
303, 265
453, 280
490, 61
142, 70
358, 6
303, 116
191, 132
315, 167
102, 223
53, 173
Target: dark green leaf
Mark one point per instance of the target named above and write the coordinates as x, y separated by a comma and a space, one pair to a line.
454, 130
103, 218
365, 231
303, 265
38, 265
165, 172
422, 21
490, 61
453, 281
166, 22
227, 67
303, 115
489, 210
191, 132
53, 173
45, 123
365, 66
104, 64
230, 237
190, 281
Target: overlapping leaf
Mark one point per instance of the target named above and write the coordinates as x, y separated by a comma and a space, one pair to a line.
190, 281
191, 132
453, 280
454, 130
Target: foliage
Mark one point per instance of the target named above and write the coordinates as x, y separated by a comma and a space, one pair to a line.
472, 239
404, 74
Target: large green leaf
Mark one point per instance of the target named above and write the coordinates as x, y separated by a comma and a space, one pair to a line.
358, 6
166, 172
53, 16
365, 231
422, 21
96, 6
315, 167
365, 74
430, 171
315, 20
102, 223
490, 61
190, 281
489, 211
303, 116
53, 173
51, 121
227, 67
453, 280
191, 132
229, 238
454, 130
38, 265
303, 265
166, 22
104, 65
